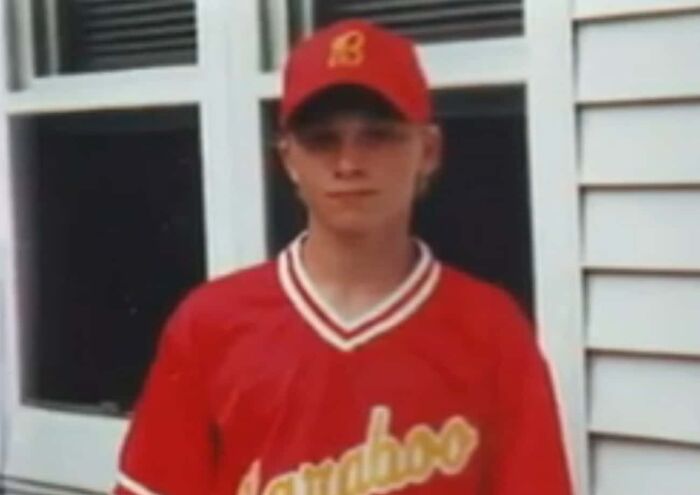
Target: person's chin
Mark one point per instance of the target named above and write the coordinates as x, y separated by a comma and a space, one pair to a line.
355, 224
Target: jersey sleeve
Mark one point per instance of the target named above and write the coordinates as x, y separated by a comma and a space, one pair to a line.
527, 453
169, 448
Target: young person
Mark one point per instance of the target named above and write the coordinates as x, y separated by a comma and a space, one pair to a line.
355, 362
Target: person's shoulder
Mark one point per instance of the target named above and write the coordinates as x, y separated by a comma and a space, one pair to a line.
209, 318
480, 301
467, 288
487, 308
252, 278
476, 315
233, 291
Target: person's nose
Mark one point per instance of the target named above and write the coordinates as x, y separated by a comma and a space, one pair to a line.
349, 159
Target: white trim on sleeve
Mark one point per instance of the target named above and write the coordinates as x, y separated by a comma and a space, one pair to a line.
133, 485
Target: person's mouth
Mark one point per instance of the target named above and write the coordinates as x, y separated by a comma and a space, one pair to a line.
352, 193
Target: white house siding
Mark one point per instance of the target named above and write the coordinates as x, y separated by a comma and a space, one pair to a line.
638, 108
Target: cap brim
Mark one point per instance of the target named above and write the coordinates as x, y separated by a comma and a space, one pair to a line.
302, 101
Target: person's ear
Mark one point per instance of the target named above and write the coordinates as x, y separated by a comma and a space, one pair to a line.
432, 149
284, 151
431, 141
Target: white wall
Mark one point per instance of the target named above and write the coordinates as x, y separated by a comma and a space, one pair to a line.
638, 104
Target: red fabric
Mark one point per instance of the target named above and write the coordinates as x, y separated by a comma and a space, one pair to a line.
528, 456
169, 448
379, 60
242, 378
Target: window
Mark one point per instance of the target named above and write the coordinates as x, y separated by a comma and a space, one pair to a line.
477, 215
96, 35
111, 236
430, 20
426, 21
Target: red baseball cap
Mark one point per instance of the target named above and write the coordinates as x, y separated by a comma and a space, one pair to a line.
357, 52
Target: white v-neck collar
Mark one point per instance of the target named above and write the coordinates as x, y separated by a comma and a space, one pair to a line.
347, 334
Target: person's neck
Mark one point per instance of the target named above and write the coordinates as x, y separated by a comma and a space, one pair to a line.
354, 272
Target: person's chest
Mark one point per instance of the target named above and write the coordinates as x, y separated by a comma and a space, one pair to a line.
408, 410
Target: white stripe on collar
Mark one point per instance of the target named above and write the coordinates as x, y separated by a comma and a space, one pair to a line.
348, 334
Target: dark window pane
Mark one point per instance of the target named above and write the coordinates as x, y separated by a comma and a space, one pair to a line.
477, 213
97, 35
111, 235
286, 216
427, 20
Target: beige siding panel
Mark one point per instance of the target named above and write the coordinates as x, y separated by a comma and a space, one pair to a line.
601, 7
644, 313
657, 143
639, 58
652, 229
645, 396
641, 468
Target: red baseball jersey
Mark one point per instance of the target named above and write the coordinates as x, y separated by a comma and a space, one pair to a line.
259, 388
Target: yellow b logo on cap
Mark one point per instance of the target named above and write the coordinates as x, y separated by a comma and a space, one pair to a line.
347, 50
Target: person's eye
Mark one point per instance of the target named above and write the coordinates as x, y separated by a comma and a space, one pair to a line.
318, 139
382, 134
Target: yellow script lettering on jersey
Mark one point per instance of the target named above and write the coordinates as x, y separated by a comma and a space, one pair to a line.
381, 464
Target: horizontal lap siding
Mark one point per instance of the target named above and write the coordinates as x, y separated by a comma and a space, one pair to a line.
631, 467
645, 229
643, 58
638, 86
598, 6
647, 397
641, 144
644, 313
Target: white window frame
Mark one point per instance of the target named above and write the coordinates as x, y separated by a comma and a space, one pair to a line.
551, 141
78, 451
229, 87
66, 92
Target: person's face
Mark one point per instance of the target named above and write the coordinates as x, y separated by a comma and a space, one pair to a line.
357, 173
